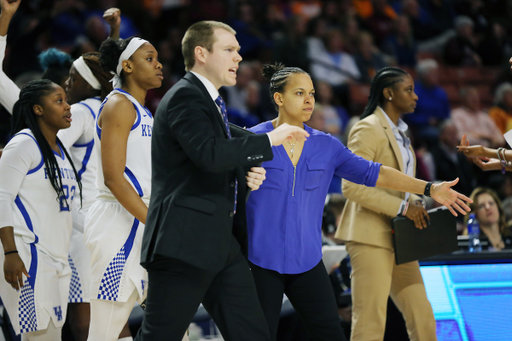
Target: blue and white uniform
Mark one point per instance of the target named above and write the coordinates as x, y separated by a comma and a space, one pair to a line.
42, 231
112, 234
79, 141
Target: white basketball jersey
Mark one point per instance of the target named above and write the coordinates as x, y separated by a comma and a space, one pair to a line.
40, 218
138, 150
82, 151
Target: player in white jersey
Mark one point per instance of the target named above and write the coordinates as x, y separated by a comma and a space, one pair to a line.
87, 85
115, 223
37, 188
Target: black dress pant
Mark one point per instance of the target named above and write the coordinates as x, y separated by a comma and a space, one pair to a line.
176, 289
311, 295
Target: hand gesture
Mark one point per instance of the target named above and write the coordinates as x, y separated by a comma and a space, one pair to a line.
286, 132
14, 270
418, 214
255, 177
113, 17
487, 164
445, 195
471, 151
9, 7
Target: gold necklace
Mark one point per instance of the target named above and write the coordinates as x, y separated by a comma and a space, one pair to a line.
292, 147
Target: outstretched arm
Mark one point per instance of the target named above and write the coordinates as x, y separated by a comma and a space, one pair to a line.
485, 158
441, 192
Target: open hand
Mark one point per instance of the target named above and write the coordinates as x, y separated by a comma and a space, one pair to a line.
453, 200
286, 132
14, 270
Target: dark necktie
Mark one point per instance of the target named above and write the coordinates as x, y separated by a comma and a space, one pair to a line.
220, 102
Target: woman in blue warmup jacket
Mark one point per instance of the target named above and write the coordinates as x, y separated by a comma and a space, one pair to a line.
285, 215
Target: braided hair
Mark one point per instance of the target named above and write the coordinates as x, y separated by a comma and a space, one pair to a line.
56, 65
23, 117
278, 76
385, 78
92, 60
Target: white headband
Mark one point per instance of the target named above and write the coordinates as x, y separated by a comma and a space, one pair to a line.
133, 46
85, 71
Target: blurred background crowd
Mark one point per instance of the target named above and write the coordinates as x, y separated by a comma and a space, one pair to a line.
456, 50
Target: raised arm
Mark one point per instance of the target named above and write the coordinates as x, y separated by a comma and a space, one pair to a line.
9, 92
116, 121
113, 18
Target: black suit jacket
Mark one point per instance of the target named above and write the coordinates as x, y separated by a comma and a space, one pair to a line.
194, 166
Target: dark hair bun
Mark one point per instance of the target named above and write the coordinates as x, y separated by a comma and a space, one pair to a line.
110, 51
270, 69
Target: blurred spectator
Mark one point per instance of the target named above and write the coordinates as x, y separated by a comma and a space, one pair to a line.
380, 23
351, 30
501, 112
366, 8
307, 9
67, 26
274, 20
291, 48
368, 57
332, 15
507, 211
243, 97
420, 20
477, 11
401, 44
317, 119
461, 50
332, 64
237, 94
495, 48
442, 14
335, 115
432, 106
248, 32
471, 120
450, 164
489, 213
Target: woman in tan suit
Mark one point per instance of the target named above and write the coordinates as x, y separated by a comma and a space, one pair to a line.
366, 220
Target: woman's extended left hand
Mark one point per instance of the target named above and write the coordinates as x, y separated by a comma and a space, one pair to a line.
453, 200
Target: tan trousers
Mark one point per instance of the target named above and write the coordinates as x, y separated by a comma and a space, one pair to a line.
375, 276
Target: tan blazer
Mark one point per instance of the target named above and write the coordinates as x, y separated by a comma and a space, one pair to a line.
367, 215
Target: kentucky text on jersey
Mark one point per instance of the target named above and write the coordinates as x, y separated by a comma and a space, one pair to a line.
146, 130
66, 173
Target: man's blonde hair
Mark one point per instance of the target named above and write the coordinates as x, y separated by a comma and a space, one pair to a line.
200, 34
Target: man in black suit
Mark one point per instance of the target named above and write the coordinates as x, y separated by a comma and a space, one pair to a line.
193, 238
